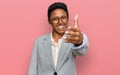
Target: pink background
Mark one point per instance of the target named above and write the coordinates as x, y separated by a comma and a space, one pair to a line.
22, 21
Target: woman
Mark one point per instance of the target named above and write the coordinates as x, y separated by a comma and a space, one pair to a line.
54, 53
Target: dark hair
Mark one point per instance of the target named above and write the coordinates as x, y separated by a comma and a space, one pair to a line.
57, 5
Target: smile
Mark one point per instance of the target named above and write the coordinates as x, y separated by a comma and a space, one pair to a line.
61, 27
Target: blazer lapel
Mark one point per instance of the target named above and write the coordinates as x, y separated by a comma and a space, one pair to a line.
63, 50
48, 49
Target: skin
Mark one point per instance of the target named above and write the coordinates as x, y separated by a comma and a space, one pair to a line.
73, 33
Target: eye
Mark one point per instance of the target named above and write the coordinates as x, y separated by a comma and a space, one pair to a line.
63, 17
55, 19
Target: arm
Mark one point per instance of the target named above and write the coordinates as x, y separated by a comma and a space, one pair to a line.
33, 62
77, 38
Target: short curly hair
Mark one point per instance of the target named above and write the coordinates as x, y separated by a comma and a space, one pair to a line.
57, 5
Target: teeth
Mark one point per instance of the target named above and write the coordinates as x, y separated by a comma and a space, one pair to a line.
60, 27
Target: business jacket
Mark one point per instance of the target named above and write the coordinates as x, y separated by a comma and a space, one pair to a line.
42, 60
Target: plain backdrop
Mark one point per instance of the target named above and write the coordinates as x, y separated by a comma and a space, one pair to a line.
22, 21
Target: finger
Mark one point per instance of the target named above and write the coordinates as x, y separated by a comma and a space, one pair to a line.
71, 33
76, 21
75, 29
74, 40
69, 39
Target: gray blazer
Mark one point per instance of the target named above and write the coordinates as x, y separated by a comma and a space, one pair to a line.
42, 62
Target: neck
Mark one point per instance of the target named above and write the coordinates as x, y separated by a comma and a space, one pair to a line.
56, 36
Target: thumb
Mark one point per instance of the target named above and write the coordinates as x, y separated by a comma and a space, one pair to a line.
76, 21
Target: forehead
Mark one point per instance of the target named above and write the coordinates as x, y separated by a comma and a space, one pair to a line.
58, 13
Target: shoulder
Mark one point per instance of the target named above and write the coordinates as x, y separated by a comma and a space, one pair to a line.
43, 37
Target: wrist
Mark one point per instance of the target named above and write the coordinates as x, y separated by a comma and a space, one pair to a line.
78, 44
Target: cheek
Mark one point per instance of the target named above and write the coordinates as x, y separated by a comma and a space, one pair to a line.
54, 26
66, 24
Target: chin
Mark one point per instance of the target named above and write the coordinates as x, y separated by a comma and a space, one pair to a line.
61, 32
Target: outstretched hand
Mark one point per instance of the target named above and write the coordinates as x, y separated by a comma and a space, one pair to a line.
73, 34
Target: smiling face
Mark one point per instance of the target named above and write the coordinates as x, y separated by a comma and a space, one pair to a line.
59, 21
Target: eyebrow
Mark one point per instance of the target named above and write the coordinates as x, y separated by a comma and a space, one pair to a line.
60, 16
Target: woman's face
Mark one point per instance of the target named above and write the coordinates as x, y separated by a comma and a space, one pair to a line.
59, 21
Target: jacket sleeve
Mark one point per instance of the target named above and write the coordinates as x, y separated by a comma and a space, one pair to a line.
33, 62
82, 49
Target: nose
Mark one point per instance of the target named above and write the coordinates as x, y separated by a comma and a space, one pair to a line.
60, 21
